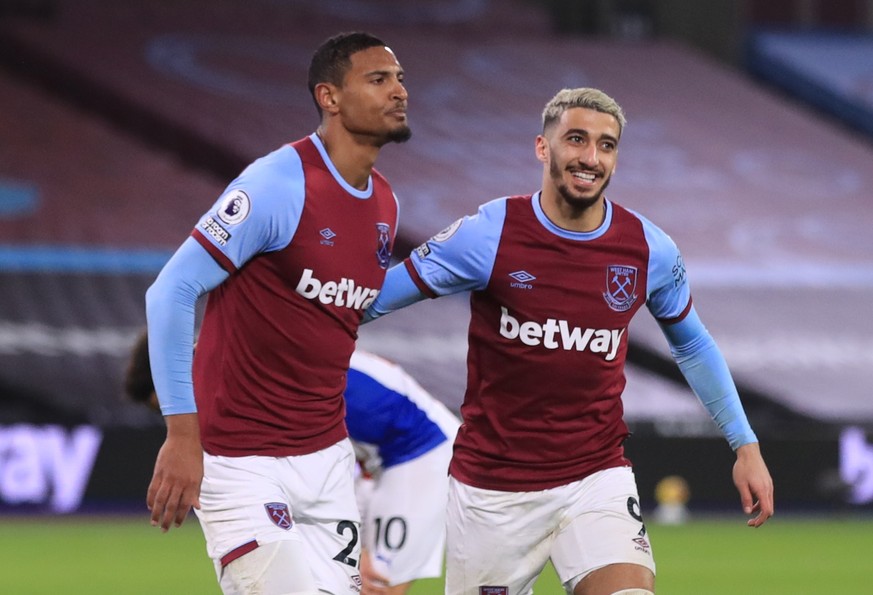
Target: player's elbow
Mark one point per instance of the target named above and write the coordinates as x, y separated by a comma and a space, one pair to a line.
153, 293
159, 292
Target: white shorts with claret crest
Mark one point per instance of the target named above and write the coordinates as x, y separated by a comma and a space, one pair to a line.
499, 542
251, 501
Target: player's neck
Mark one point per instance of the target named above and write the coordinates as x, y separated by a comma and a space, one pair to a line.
352, 159
576, 216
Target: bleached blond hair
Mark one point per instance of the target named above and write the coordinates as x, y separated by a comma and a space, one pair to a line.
585, 97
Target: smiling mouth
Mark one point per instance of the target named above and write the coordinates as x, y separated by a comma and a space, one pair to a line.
585, 177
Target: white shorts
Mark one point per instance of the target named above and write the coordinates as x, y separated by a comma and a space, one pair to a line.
256, 500
404, 512
503, 540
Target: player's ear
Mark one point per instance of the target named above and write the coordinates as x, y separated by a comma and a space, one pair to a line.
541, 148
326, 96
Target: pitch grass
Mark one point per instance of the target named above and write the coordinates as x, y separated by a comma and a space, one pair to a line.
124, 555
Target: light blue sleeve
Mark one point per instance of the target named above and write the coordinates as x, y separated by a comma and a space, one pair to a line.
170, 302
461, 257
398, 291
707, 373
260, 210
667, 292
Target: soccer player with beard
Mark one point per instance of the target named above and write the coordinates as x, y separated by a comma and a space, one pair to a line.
539, 470
291, 255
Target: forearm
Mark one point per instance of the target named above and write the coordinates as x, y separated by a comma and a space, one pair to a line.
171, 348
707, 373
398, 291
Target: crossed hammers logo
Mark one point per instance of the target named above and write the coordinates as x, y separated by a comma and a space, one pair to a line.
279, 514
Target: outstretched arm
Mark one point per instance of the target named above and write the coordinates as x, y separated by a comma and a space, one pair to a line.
707, 373
398, 291
459, 258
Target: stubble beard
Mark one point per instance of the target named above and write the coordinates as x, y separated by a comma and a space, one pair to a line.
574, 200
399, 135
380, 138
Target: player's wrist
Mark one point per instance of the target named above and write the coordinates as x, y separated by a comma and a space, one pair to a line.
184, 426
748, 450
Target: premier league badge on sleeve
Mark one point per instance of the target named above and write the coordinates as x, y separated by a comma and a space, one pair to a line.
448, 232
621, 283
383, 244
235, 207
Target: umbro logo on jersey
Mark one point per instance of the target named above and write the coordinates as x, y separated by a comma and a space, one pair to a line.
522, 279
642, 544
558, 334
343, 293
327, 235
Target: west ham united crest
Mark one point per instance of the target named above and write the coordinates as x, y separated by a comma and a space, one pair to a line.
383, 245
621, 285
279, 514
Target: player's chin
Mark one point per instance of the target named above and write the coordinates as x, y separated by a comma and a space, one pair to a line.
581, 197
399, 134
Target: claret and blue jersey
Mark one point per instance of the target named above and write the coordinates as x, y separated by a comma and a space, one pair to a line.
280, 255
550, 309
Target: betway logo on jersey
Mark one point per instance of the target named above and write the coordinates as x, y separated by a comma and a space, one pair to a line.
342, 293
558, 334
